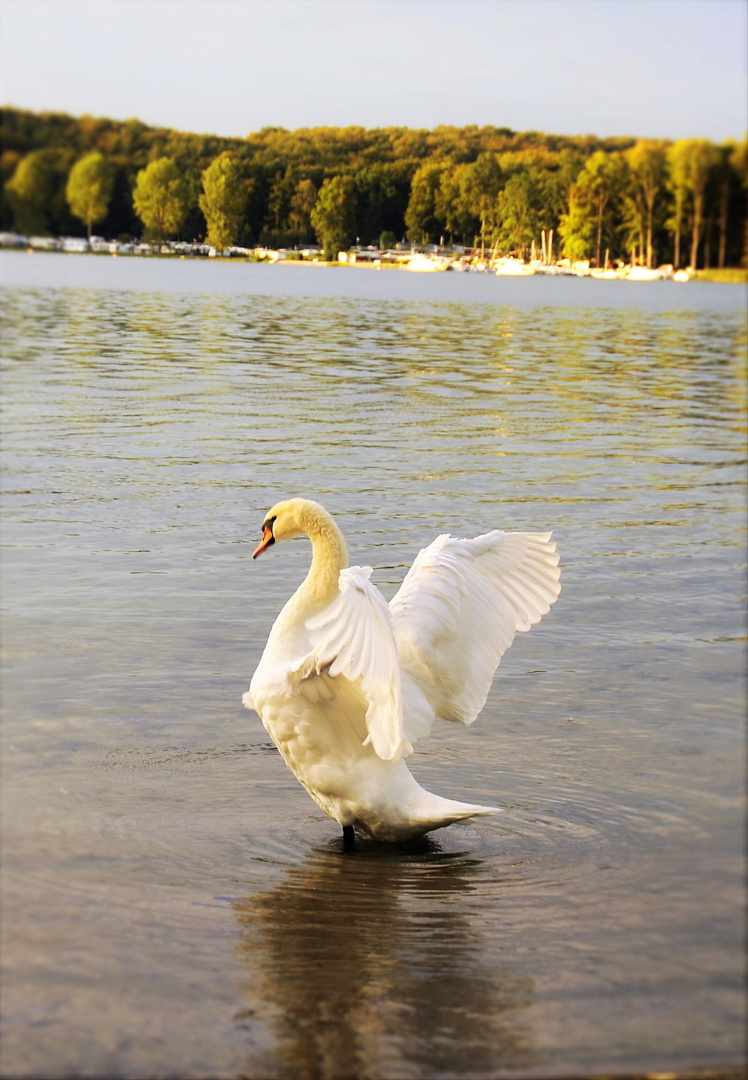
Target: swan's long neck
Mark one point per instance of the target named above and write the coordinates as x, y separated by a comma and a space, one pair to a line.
329, 555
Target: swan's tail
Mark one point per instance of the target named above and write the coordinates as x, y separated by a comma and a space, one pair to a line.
421, 815
438, 812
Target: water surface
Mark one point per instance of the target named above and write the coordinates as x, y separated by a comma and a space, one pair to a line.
173, 902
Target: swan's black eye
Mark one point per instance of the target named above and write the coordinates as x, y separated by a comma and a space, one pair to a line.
268, 524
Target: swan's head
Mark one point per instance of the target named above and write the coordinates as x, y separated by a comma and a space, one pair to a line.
285, 520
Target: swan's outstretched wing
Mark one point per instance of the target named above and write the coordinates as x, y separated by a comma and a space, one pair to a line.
353, 638
456, 614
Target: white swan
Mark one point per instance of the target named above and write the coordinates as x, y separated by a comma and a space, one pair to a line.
347, 683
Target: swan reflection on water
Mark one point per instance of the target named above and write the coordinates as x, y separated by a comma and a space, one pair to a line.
370, 964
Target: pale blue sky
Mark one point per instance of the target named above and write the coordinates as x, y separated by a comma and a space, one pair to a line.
659, 68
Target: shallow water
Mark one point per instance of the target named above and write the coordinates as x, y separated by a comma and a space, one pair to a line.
173, 902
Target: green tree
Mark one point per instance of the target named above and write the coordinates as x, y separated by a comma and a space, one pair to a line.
591, 204
647, 162
521, 211
724, 182
480, 187
393, 154
450, 207
279, 201
633, 226
161, 198
89, 189
334, 215
379, 192
563, 178
33, 191
8, 165
678, 183
600, 183
702, 158
223, 201
421, 221
577, 228
691, 163
302, 204
739, 163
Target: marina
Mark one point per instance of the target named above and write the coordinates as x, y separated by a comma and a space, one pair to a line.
408, 258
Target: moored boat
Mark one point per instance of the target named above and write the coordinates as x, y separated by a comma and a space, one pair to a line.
424, 264
512, 268
644, 273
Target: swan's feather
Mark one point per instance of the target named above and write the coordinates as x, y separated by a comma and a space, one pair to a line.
346, 682
456, 614
352, 637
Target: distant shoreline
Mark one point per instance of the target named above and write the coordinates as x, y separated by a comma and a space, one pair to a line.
726, 276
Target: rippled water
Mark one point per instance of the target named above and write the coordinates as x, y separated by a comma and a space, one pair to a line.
173, 902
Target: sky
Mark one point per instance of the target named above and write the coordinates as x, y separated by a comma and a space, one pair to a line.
652, 68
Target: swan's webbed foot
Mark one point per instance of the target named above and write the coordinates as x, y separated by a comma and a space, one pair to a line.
349, 838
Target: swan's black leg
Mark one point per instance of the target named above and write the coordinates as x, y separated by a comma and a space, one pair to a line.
349, 838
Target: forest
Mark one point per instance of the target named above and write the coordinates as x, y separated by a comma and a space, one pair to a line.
645, 201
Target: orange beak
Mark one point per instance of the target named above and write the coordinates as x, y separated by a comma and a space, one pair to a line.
267, 540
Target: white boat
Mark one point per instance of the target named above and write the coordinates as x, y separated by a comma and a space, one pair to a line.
45, 243
76, 244
512, 268
644, 273
611, 274
423, 264
569, 269
9, 239
681, 275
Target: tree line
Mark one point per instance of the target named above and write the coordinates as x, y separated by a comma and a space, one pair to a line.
644, 200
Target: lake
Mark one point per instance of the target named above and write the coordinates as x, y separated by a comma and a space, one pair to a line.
174, 904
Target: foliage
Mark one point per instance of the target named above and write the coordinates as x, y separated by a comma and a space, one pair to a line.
302, 205
450, 206
701, 160
592, 208
739, 164
522, 213
690, 162
677, 182
474, 184
480, 188
647, 165
36, 192
161, 198
382, 193
422, 224
223, 200
89, 188
279, 201
577, 229
334, 215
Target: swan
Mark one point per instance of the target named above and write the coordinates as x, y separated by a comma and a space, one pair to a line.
347, 683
